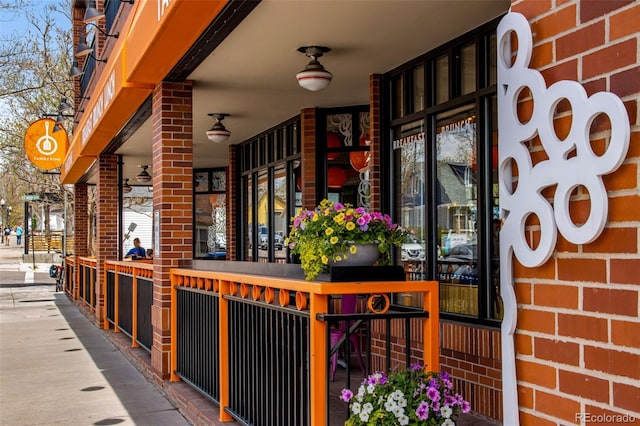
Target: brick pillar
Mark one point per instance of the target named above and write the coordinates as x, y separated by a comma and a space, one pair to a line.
172, 170
80, 229
375, 132
308, 156
106, 223
233, 209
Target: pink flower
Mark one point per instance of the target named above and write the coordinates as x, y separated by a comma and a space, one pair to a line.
346, 395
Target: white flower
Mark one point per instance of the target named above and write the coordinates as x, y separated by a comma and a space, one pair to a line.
398, 411
446, 411
355, 407
360, 394
364, 416
404, 420
448, 422
402, 402
390, 405
371, 389
367, 408
397, 394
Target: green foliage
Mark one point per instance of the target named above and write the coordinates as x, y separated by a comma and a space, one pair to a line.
329, 232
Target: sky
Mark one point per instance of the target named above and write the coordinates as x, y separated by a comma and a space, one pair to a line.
15, 21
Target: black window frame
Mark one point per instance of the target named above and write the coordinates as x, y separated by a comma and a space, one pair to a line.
482, 99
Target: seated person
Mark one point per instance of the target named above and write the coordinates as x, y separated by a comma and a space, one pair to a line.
150, 254
137, 252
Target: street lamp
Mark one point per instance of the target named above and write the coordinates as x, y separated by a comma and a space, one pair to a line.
4, 211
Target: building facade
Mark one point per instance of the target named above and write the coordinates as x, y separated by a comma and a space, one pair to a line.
410, 125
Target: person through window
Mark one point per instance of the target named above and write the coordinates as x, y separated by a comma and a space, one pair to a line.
137, 251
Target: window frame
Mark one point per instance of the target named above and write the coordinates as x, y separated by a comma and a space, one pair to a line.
481, 98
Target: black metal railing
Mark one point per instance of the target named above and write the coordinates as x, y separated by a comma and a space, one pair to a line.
198, 354
125, 303
86, 278
144, 301
369, 337
268, 363
110, 297
68, 277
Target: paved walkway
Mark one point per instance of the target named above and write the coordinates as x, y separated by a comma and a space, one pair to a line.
56, 368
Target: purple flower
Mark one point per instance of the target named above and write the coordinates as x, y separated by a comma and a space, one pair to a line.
459, 399
361, 221
433, 394
466, 407
346, 395
359, 210
449, 400
364, 227
435, 406
433, 383
447, 383
416, 367
338, 207
445, 376
422, 412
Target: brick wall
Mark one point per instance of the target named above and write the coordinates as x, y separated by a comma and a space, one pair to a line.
233, 209
80, 228
172, 171
308, 157
375, 133
107, 238
578, 350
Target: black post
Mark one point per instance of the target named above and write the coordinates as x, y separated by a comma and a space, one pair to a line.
26, 227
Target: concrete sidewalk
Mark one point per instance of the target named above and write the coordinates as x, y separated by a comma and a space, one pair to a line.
56, 367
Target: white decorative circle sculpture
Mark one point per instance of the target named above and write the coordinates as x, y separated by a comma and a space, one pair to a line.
567, 172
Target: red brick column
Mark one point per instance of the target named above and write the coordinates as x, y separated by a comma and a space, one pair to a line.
308, 157
80, 228
172, 170
232, 207
106, 223
375, 133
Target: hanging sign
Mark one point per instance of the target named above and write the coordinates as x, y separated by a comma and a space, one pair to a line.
45, 148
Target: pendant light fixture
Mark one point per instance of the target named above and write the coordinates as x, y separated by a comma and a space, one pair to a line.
144, 177
218, 133
126, 188
314, 77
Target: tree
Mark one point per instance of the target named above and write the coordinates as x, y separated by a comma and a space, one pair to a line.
35, 56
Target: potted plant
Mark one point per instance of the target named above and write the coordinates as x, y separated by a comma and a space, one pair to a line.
407, 397
332, 233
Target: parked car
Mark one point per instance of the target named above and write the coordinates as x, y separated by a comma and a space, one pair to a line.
412, 250
278, 240
460, 265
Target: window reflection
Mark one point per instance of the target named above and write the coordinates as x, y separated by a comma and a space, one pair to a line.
456, 199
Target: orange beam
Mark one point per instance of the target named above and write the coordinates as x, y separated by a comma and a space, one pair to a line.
134, 310
174, 327
318, 359
223, 330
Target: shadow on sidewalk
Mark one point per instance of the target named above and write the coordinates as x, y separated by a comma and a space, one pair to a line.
145, 403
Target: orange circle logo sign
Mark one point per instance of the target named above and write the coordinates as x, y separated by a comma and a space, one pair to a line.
45, 148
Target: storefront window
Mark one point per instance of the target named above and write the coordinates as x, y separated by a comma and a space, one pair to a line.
456, 211
469, 73
445, 179
210, 225
347, 155
268, 195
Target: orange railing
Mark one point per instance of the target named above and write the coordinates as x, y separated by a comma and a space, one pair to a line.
127, 302
86, 289
69, 275
239, 296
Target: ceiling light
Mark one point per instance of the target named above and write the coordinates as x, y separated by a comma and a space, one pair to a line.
126, 188
218, 133
314, 77
92, 13
144, 176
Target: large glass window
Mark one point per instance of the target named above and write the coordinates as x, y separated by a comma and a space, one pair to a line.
269, 166
347, 155
210, 215
444, 174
